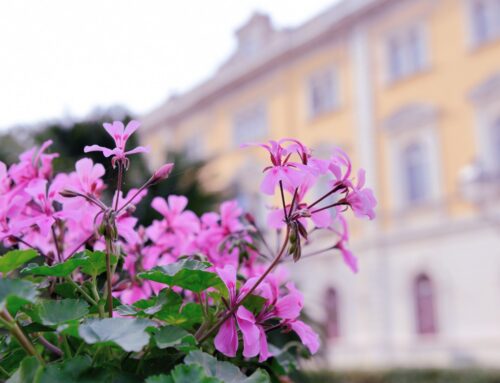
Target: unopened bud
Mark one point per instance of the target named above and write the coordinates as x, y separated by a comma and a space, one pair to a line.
69, 193
162, 173
250, 218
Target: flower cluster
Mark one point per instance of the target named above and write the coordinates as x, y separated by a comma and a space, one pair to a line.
60, 215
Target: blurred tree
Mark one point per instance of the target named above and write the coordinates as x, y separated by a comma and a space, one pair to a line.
69, 139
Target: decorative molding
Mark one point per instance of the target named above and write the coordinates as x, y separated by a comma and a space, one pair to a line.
411, 116
487, 90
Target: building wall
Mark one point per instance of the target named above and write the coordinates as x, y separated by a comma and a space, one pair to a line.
444, 236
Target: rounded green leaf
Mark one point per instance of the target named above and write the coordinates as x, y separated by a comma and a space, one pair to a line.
186, 273
15, 258
15, 293
52, 312
129, 334
58, 270
172, 336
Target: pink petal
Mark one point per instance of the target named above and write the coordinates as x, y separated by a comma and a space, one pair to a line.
306, 334
264, 351
160, 205
250, 332
269, 182
131, 128
290, 306
226, 340
177, 203
322, 218
96, 148
115, 129
139, 149
275, 219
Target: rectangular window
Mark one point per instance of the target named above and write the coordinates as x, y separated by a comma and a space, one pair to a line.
322, 92
250, 124
484, 20
406, 52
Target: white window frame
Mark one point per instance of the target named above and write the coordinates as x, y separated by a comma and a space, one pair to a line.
486, 101
408, 129
409, 66
492, 19
317, 76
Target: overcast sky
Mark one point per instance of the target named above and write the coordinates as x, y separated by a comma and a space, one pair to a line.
64, 58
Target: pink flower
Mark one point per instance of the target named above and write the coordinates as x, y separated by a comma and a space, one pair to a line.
361, 199
120, 134
4, 179
33, 164
349, 259
282, 168
226, 340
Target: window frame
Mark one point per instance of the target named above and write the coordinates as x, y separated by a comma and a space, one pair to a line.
332, 72
401, 36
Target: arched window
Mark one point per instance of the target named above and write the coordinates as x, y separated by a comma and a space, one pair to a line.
415, 170
332, 313
424, 298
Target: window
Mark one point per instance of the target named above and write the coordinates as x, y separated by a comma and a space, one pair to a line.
423, 292
322, 92
194, 147
485, 20
250, 124
414, 172
332, 313
495, 139
406, 52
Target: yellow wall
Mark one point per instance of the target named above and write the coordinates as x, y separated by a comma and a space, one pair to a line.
454, 69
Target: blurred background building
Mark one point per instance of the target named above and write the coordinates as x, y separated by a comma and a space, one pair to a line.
411, 90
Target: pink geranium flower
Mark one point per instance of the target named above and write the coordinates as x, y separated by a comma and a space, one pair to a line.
120, 134
361, 199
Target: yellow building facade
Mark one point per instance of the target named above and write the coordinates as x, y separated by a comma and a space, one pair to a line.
411, 90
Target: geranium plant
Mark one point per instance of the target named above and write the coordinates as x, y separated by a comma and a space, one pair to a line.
88, 295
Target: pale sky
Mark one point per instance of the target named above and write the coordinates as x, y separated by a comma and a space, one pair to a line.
64, 58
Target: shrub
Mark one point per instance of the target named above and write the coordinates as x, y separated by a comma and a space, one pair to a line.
87, 295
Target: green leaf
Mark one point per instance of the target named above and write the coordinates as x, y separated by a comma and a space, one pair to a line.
66, 372
160, 379
254, 303
225, 371
28, 372
15, 293
58, 270
186, 317
186, 273
183, 373
172, 336
15, 258
91, 263
95, 262
54, 312
129, 334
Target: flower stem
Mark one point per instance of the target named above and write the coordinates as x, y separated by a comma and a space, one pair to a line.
109, 277
283, 201
21, 337
335, 189
87, 297
239, 302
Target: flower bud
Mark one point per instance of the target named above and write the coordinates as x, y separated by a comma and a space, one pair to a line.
162, 173
69, 193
